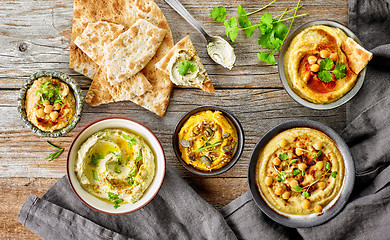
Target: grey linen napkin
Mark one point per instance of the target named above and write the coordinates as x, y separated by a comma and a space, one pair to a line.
367, 214
177, 212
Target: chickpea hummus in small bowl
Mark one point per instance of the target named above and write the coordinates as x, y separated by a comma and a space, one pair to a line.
116, 165
301, 173
50, 103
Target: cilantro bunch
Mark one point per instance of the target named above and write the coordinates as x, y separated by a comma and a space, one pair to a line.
325, 72
273, 31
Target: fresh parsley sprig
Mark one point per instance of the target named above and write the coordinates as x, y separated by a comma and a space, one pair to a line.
115, 199
273, 31
325, 72
184, 66
55, 154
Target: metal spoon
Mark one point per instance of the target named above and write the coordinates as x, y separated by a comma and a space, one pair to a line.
218, 48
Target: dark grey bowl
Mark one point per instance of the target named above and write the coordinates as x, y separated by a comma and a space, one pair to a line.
239, 147
298, 221
348, 96
77, 94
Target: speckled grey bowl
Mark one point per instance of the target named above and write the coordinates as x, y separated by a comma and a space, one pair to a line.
344, 99
76, 92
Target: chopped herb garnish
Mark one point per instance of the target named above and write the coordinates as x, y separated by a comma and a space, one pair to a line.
131, 177
115, 199
132, 142
185, 66
95, 175
50, 91
282, 176
283, 156
292, 161
139, 158
316, 155
334, 174
297, 188
303, 173
208, 146
306, 194
55, 154
127, 160
95, 159
327, 165
325, 72
296, 171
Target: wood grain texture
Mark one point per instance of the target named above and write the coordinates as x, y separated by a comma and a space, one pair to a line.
35, 35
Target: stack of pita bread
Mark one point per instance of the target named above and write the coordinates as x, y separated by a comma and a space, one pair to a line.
117, 44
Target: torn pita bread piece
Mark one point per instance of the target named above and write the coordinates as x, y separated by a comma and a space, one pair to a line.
358, 57
95, 37
184, 67
132, 50
98, 93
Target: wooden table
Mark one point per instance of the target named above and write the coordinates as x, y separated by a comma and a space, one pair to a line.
35, 35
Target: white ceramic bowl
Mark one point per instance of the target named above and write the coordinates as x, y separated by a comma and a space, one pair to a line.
116, 122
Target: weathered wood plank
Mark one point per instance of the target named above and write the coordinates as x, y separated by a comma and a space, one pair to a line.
216, 191
36, 36
258, 110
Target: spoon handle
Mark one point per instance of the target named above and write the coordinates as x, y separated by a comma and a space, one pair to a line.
178, 7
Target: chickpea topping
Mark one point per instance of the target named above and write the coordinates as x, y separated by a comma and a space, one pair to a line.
334, 56
54, 115
315, 68
278, 191
302, 166
57, 106
298, 151
276, 161
268, 181
283, 143
48, 108
321, 185
317, 146
293, 183
317, 208
312, 59
306, 204
319, 165
324, 53
46, 102
40, 113
286, 195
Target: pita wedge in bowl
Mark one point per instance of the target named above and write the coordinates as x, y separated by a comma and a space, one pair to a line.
184, 67
126, 13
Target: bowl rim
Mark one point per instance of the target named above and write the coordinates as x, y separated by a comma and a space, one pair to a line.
113, 118
313, 219
339, 102
72, 83
240, 142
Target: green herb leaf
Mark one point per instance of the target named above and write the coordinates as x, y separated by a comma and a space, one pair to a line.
283, 156
293, 161
306, 194
56, 154
185, 66
296, 171
244, 21
218, 14
139, 158
231, 28
208, 146
282, 176
297, 188
316, 155
127, 160
112, 196
303, 173
117, 202
325, 76
115, 199
95, 175
267, 20
132, 142
333, 174
126, 137
267, 57
327, 165
339, 71
326, 64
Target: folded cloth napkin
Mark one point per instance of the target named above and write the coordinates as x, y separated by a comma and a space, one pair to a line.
177, 212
